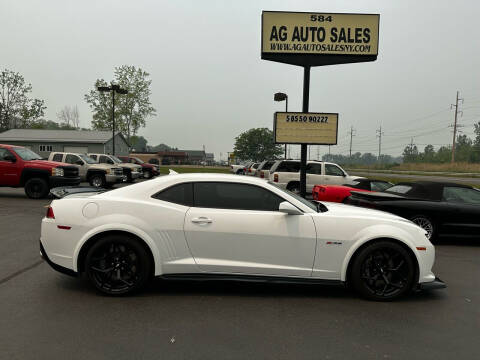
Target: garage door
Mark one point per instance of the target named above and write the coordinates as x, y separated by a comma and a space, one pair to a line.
76, 149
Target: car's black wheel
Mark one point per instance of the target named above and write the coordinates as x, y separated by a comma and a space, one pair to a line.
129, 177
147, 174
383, 271
294, 187
426, 224
97, 180
36, 188
118, 264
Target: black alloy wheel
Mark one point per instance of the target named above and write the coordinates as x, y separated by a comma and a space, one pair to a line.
383, 271
118, 264
36, 188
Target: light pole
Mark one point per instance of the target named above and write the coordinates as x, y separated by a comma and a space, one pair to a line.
114, 89
281, 97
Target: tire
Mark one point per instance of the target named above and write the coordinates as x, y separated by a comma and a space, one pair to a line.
147, 174
118, 265
97, 180
240, 172
383, 271
426, 224
294, 187
129, 177
37, 188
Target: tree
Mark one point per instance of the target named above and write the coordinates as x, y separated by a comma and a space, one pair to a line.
51, 125
138, 143
69, 116
17, 109
410, 153
429, 153
256, 145
131, 110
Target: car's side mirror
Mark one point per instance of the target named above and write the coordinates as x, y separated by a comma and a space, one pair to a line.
287, 208
10, 158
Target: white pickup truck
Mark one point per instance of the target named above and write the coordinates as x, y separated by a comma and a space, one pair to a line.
286, 173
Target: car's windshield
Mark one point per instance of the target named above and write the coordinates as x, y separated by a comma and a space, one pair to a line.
115, 159
27, 154
399, 189
87, 159
311, 205
139, 160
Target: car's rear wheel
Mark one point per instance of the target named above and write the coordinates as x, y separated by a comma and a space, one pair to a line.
118, 264
97, 180
426, 224
294, 187
36, 188
383, 271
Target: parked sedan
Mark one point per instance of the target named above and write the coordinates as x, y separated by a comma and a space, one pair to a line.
217, 226
442, 209
340, 193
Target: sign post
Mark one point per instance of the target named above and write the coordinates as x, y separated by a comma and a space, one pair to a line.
317, 39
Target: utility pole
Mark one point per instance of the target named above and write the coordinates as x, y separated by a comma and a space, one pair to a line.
352, 134
379, 135
455, 126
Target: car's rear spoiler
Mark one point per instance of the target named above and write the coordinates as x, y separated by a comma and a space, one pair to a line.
61, 192
375, 195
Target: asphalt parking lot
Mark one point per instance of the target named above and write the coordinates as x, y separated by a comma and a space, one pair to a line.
45, 314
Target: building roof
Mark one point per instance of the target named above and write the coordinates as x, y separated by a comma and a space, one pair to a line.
83, 136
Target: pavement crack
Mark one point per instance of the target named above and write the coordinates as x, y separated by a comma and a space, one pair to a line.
19, 272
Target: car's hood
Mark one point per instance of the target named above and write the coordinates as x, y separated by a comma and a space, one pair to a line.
354, 211
45, 163
104, 166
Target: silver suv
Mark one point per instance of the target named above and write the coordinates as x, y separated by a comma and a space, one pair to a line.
130, 171
98, 175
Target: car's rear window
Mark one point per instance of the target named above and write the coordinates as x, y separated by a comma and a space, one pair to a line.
287, 166
400, 189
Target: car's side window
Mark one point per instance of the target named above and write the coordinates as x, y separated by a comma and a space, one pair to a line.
94, 157
288, 166
4, 153
225, 195
333, 170
461, 195
315, 169
379, 185
103, 159
57, 157
179, 194
71, 159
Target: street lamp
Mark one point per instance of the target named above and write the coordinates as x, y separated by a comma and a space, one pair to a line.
282, 97
114, 89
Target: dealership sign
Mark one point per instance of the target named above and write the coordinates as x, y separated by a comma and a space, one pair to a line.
305, 128
313, 39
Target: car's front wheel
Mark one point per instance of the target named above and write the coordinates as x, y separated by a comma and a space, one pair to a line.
97, 180
36, 188
147, 174
383, 271
118, 264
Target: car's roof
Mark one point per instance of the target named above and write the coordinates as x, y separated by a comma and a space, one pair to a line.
11, 146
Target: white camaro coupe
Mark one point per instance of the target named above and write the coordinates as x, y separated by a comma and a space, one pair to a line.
212, 226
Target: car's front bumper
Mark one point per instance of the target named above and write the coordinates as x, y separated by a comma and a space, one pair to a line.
136, 174
432, 285
54, 266
113, 179
57, 181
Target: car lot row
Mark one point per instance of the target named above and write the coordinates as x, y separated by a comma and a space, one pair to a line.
21, 167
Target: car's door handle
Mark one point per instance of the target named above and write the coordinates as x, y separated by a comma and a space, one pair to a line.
202, 220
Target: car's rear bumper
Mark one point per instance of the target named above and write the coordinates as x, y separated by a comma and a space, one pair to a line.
57, 181
432, 285
54, 266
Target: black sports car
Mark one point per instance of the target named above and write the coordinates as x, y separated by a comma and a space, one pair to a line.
442, 209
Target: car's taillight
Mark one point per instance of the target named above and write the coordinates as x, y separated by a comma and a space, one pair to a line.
50, 214
249, 170
275, 177
262, 175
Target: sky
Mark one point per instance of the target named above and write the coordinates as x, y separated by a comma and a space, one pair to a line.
209, 83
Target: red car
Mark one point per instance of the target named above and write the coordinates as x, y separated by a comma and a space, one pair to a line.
21, 167
148, 170
339, 193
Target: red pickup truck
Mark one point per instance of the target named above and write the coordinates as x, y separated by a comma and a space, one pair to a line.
21, 167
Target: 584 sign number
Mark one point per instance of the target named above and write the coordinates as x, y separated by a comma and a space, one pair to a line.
321, 18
